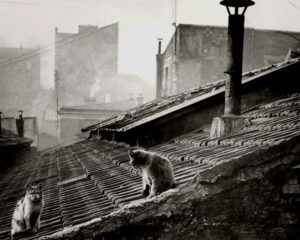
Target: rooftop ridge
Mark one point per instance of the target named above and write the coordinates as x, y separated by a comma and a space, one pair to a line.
159, 108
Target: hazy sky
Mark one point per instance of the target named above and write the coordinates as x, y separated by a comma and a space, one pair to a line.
141, 22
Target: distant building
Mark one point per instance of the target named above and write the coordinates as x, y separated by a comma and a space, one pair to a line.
88, 86
83, 58
121, 87
73, 119
198, 54
19, 78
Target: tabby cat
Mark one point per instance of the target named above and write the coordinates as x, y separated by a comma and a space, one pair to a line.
28, 210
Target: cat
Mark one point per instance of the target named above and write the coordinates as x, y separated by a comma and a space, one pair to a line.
157, 171
28, 210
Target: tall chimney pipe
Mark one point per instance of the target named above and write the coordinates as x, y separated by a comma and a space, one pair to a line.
159, 45
20, 124
159, 70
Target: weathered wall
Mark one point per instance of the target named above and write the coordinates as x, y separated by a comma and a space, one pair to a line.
83, 58
202, 54
269, 47
169, 67
253, 197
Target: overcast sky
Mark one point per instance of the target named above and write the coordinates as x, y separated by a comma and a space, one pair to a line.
141, 22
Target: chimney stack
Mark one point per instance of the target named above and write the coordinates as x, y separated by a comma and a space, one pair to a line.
159, 45
159, 70
20, 124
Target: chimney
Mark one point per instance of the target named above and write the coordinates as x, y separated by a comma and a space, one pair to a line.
140, 99
159, 46
159, 70
20, 124
56, 29
232, 122
0, 123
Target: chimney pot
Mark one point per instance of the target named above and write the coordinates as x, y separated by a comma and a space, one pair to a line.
20, 125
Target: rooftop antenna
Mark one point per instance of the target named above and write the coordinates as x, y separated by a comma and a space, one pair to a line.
174, 12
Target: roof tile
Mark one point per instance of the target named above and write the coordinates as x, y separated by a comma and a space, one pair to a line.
93, 178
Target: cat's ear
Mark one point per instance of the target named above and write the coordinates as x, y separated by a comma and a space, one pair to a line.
28, 187
40, 186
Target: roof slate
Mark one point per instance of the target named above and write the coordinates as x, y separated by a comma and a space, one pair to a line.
93, 178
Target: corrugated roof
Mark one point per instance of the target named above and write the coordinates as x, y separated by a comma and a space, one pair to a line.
93, 178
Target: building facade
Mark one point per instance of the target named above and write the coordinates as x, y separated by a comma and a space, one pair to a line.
197, 55
83, 58
19, 78
73, 119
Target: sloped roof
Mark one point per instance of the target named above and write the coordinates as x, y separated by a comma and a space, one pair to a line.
99, 107
93, 178
160, 107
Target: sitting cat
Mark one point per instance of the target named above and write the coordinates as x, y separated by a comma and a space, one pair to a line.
28, 210
157, 171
